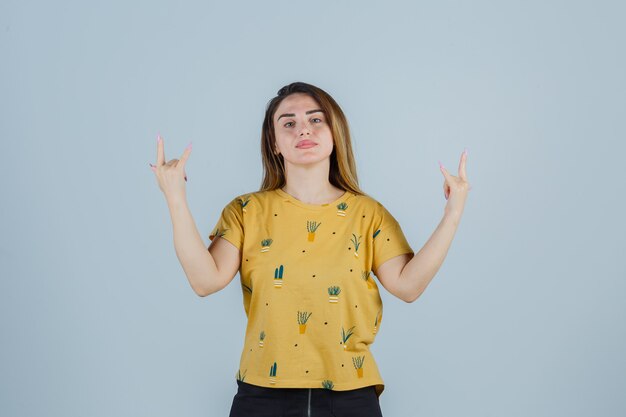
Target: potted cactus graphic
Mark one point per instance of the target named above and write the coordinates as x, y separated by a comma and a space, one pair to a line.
303, 317
243, 203
273, 373
327, 384
333, 294
376, 322
278, 277
241, 377
366, 275
341, 209
312, 226
247, 288
261, 338
358, 365
265, 244
356, 243
345, 336
218, 232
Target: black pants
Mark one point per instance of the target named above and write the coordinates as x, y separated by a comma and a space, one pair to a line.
255, 401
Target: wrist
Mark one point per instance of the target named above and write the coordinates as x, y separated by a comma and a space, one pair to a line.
176, 201
452, 214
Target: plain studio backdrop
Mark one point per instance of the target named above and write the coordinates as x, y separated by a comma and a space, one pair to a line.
526, 317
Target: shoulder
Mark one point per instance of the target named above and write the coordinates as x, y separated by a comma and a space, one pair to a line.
256, 196
248, 199
367, 203
366, 199
379, 212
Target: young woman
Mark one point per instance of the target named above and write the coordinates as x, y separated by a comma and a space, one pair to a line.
306, 245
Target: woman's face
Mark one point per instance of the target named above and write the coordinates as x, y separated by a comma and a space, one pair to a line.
302, 131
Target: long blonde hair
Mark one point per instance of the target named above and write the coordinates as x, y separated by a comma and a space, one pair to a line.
342, 172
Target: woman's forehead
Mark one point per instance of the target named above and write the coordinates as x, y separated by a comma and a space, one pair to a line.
297, 102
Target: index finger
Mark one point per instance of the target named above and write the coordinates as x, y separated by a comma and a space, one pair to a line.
160, 150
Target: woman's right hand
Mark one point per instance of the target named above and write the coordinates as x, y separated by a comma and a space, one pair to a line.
171, 175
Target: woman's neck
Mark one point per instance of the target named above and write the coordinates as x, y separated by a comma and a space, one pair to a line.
310, 184
313, 193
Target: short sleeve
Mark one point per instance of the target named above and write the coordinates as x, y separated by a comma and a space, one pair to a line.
230, 224
389, 240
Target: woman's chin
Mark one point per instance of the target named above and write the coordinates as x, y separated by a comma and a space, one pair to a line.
311, 160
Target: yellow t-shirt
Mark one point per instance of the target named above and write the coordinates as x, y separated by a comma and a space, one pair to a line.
312, 304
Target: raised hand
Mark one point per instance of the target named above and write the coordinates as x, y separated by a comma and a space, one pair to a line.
455, 188
171, 175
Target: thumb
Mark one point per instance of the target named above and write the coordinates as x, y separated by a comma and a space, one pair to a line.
185, 156
444, 171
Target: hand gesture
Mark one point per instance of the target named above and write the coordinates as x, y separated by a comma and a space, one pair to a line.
455, 188
171, 175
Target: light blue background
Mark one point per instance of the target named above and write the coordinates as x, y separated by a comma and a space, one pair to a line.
526, 317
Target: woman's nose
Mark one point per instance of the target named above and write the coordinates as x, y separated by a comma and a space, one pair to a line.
305, 129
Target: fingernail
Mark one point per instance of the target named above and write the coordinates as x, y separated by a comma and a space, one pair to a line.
441, 165
465, 151
158, 137
189, 146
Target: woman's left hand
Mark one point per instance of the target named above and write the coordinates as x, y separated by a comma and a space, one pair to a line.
455, 188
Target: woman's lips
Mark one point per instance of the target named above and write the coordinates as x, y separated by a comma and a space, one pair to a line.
306, 144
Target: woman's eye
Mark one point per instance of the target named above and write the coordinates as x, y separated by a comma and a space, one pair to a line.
315, 118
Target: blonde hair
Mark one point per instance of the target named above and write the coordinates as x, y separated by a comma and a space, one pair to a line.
342, 165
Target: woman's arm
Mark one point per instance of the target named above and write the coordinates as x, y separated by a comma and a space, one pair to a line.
415, 276
210, 270
198, 264
421, 269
